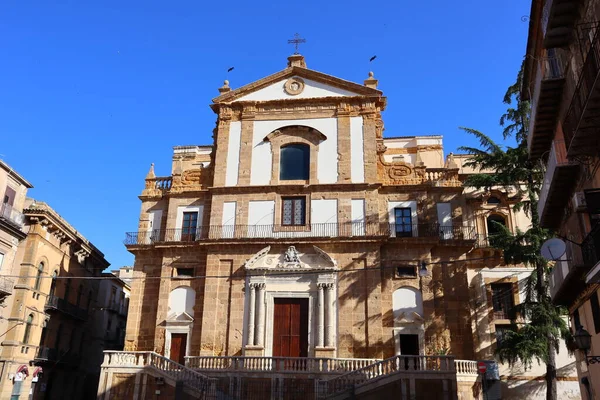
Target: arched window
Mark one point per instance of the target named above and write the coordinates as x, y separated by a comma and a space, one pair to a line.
406, 301
53, 284
294, 163
38, 277
493, 227
28, 323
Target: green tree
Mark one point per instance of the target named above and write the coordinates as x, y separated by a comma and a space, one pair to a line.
538, 338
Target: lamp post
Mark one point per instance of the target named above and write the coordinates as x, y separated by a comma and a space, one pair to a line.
583, 341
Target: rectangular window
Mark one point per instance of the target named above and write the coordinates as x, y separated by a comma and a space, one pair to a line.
501, 333
403, 222
502, 300
189, 225
293, 211
595, 311
185, 272
404, 271
1, 260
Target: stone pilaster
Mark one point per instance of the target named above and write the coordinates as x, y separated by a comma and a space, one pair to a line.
370, 146
260, 315
344, 154
251, 315
330, 339
246, 145
221, 143
321, 322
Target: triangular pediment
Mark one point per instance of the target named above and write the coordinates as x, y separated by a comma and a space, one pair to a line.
180, 318
296, 83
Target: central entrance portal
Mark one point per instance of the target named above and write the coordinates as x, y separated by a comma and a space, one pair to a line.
290, 327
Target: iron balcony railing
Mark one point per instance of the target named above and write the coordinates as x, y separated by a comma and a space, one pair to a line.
58, 304
588, 80
318, 230
8, 213
557, 158
590, 247
46, 354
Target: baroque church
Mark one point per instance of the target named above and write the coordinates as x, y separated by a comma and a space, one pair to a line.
304, 252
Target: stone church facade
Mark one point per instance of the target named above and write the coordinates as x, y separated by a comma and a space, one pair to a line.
303, 232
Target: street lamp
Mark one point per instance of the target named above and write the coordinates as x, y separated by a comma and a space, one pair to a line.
583, 341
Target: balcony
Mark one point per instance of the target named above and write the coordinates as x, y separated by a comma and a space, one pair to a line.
353, 230
6, 286
567, 279
580, 125
53, 355
46, 354
12, 216
545, 102
558, 22
55, 303
559, 182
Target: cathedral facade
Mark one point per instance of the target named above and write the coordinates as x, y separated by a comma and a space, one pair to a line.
303, 233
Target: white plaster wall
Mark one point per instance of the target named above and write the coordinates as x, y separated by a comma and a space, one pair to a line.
444, 213
400, 143
358, 217
261, 218
261, 212
433, 140
312, 89
404, 204
182, 299
228, 222
181, 210
262, 157
357, 160
407, 300
233, 153
323, 211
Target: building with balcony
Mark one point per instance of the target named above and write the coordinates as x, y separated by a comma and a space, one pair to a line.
113, 301
561, 80
13, 189
48, 348
305, 253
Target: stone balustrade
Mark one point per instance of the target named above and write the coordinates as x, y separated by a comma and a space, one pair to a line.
177, 372
278, 364
466, 367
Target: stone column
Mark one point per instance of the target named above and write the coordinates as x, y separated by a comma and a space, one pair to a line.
259, 337
251, 315
321, 322
330, 339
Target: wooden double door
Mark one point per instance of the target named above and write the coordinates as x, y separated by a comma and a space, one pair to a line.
290, 327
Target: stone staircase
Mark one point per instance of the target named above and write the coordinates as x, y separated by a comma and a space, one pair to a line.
176, 380
396, 376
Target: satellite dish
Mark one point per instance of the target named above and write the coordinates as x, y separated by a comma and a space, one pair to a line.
553, 249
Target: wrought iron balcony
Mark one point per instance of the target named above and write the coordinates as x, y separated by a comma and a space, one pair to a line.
580, 125
55, 303
46, 354
558, 21
559, 181
545, 102
567, 279
309, 231
12, 216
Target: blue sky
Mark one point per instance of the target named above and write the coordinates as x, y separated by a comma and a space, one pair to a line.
92, 92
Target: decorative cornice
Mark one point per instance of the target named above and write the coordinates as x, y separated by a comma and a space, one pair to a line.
300, 72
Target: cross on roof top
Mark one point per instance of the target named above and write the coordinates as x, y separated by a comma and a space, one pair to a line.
296, 41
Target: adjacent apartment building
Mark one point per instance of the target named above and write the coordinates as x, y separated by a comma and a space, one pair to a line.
303, 246
562, 81
48, 343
